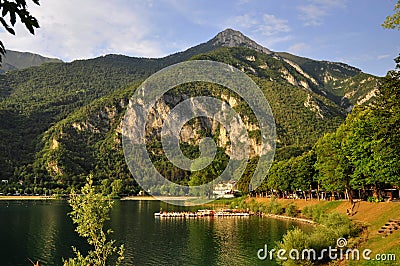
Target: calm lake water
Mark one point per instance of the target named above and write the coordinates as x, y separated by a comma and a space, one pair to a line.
41, 230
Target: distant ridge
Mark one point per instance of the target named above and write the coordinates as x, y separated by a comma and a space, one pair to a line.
62, 121
14, 60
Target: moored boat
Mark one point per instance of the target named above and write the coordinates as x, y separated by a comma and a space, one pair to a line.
202, 213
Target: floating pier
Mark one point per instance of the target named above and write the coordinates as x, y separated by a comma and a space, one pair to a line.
202, 213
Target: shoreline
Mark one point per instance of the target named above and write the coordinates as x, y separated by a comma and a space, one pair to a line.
161, 198
26, 197
284, 217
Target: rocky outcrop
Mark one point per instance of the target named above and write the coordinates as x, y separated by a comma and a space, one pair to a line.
315, 106
195, 130
233, 38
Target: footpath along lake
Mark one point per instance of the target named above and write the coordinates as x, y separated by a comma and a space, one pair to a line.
42, 230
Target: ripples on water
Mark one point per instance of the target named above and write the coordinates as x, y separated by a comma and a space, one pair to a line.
41, 230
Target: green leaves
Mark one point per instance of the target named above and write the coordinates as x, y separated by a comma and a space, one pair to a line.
393, 21
364, 151
12, 9
90, 210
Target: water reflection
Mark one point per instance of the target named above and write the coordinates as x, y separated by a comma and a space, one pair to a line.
42, 230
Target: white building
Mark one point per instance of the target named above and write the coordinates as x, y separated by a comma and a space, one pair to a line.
225, 190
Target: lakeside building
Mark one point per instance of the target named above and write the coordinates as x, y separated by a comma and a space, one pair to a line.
225, 190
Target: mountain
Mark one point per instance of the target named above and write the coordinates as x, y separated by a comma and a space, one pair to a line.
343, 84
14, 60
233, 38
61, 121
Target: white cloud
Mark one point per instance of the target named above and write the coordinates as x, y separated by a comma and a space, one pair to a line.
266, 28
273, 42
314, 11
266, 24
73, 29
383, 56
245, 21
298, 48
312, 15
271, 25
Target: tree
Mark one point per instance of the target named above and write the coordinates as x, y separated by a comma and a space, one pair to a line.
304, 171
90, 211
327, 161
393, 21
116, 186
334, 163
12, 9
280, 176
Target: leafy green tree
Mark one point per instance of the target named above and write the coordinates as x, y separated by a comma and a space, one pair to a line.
393, 21
304, 171
90, 211
326, 151
333, 162
295, 239
116, 188
12, 9
280, 176
105, 187
363, 150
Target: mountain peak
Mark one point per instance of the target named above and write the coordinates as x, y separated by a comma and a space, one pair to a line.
14, 60
234, 38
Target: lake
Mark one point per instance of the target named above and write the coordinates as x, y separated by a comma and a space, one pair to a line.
42, 230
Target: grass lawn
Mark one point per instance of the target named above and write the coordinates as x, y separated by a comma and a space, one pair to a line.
374, 216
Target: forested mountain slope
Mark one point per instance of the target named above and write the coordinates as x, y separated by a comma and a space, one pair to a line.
61, 121
14, 60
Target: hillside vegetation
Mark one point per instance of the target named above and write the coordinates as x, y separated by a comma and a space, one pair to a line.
61, 121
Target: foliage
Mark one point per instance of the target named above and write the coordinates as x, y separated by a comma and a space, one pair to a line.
291, 210
90, 210
13, 9
313, 212
296, 173
294, 239
374, 199
332, 226
60, 121
274, 207
364, 151
393, 21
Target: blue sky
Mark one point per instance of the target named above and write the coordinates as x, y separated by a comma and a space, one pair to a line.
348, 31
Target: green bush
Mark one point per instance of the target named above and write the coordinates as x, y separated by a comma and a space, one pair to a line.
307, 212
314, 212
332, 226
273, 207
90, 211
373, 199
294, 239
322, 237
291, 210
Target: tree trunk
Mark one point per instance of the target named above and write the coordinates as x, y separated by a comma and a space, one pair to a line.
350, 194
375, 193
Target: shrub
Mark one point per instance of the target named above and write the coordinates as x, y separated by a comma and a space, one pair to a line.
90, 210
307, 212
274, 207
322, 237
291, 210
314, 212
373, 199
294, 239
333, 226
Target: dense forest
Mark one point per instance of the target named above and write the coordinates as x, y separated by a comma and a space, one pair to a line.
361, 154
62, 121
